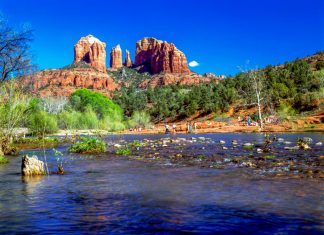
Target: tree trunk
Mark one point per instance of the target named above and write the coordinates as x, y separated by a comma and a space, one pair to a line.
259, 110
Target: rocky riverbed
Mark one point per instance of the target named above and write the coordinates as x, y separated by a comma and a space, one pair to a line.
267, 155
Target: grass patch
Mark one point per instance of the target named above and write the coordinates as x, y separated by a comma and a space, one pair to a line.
36, 143
123, 151
3, 160
88, 145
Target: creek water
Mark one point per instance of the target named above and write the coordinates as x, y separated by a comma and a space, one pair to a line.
103, 194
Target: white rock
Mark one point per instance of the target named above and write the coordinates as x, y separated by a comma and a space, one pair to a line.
32, 166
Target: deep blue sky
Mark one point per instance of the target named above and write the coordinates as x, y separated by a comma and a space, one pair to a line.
219, 34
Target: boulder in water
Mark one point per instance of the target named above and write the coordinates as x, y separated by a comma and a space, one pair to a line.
32, 166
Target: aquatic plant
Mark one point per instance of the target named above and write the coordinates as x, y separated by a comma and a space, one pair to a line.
270, 157
136, 143
123, 151
3, 160
88, 145
248, 147
60, 169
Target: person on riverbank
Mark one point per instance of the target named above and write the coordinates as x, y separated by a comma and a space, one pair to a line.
167, 129
174, 127
249, 121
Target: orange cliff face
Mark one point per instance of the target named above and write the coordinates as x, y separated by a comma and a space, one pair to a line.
156, 56
63, 82
92, 51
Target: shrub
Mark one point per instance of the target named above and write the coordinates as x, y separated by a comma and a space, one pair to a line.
82, 99
3, 160
284, 110
89, 119
69, 119
111, 124
307, 101
319, 65
42, 123
89, 145
139, 119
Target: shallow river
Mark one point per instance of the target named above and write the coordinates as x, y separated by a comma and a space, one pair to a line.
116, 195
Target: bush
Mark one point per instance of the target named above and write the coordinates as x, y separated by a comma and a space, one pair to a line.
3, 160
319, 65
111, 124
42, 123
83, 99
69, 119
139, 118
77, 120
284, 110
89, 145
307, 101
89, 119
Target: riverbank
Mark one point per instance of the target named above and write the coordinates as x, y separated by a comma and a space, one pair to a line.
211, 127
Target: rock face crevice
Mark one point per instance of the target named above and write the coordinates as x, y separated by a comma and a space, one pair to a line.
155, 56
92, 51
116, 57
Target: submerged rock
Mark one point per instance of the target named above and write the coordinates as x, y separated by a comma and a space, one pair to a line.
32, 166
280, 140
307, 140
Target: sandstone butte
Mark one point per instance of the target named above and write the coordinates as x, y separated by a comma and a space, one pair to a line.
128, 61
116, 57
92, 51
167, 64
157, 56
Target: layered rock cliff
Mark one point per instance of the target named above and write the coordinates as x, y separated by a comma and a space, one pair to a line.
116, 57
156, 56
92, 51
62, 82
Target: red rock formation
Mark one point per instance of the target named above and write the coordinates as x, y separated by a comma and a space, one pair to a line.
156, 56
62, 82
128, 61
92, 51
159, 80
116, 57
